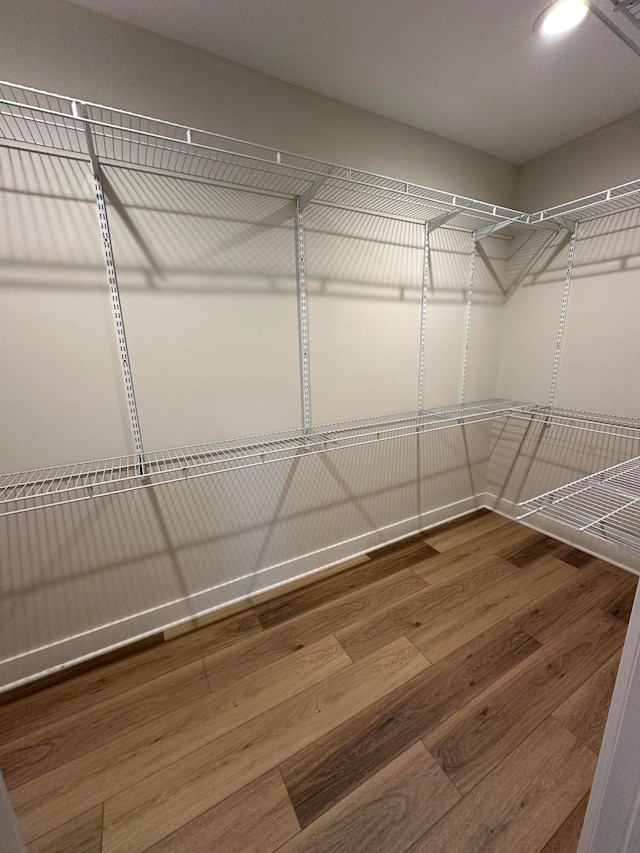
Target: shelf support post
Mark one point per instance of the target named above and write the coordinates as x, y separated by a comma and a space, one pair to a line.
467, 321
430, 225
563, 316
423, 317
114, 290
303, 318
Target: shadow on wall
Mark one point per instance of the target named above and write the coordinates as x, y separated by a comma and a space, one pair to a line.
600, 348
207, 280
531, 455
82, 577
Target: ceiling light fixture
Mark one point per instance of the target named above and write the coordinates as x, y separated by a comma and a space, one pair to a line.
561, 17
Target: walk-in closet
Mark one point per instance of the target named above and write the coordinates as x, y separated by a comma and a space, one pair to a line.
320, 490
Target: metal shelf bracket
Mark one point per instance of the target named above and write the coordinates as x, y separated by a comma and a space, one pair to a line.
79, 110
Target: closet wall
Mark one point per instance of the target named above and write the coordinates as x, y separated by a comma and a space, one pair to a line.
604, 158
207, 278
601, 347
58, 47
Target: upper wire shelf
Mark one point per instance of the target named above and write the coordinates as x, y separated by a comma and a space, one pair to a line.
43, 120
33, 118
43, 487
605, 504
594, 206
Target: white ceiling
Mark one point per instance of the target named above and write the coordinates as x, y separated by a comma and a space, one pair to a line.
474, 72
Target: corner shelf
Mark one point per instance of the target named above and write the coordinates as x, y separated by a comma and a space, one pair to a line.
606, 504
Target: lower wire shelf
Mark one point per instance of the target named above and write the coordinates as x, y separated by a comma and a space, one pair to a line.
31, 490
605, 504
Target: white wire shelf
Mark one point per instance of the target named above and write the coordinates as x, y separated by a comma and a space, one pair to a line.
35, 119
30, 490
29, 117
631, 9
594, 206
581, 420
605, 504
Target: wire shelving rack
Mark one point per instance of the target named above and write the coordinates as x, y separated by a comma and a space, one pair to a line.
42, 120
56, 123
36, 120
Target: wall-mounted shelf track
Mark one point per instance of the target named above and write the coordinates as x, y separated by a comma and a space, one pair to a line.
44, 487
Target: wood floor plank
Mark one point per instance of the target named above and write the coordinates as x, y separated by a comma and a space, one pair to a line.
585, 712
388, 812
621, 602
422, 608
261, 598
82, 834
472, 741
522, 803
70, 697
257, 819
318, 776
566, 839
396, 547
536, 547
579, 559
70, 789
439, 636
276, 643
589, 588
292, 604
454, 533
463, 557
283, 730
160, 804
66, 739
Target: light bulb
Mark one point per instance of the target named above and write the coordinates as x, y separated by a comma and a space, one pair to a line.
561, 17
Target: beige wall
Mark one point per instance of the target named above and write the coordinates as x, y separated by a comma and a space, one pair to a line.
605, 158
601, 349
65, 49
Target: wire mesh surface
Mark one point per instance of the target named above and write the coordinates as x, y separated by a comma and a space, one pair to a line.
43, 487
606, 504
594, 206
582, 420
631, 10
35, 118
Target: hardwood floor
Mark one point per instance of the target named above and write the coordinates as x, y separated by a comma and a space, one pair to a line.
449, 693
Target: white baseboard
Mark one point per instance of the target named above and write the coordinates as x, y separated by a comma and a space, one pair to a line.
69, 651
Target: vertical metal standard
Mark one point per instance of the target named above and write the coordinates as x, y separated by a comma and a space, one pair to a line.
563, 316
116, 307
423, 317
303, 321
467, 322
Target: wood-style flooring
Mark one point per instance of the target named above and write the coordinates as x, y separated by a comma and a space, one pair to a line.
447, 693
